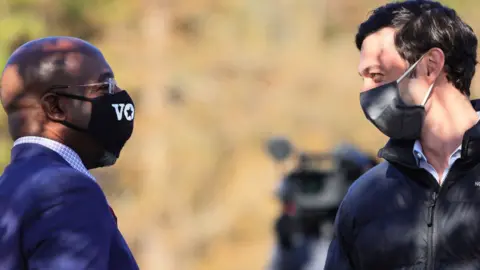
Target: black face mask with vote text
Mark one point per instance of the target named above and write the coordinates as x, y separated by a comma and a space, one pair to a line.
111, 123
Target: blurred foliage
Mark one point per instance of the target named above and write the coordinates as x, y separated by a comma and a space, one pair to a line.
212, 80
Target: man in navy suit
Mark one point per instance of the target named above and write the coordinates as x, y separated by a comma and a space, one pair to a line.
66, 116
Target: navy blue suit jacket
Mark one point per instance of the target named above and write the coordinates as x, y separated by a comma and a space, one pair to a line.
54, 217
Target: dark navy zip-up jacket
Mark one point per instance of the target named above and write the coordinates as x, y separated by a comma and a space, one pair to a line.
397, 216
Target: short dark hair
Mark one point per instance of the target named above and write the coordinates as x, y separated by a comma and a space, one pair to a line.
422, 25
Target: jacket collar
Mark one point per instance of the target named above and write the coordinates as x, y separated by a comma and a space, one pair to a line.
400, 151
29, 150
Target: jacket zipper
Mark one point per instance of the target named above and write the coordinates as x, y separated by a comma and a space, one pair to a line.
431, 216
430, 243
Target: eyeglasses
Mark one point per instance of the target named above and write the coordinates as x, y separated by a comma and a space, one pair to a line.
111, 83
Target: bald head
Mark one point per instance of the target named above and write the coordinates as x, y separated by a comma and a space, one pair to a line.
39, 64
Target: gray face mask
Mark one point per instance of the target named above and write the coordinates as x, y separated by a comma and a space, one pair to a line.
385, 108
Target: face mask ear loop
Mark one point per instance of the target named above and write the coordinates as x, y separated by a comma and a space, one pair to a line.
427, 95
409, 70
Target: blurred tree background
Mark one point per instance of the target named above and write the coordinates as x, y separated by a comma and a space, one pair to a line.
212, 80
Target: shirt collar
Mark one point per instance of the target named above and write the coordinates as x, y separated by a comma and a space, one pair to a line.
67, 153
420, 156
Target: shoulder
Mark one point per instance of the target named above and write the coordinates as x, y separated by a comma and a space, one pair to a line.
47, 179
42, 172
32, 187
53, 181
377, 178
371, 188
47, 174
66, 193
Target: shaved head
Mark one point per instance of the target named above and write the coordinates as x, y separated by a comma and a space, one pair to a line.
42, 63
39, 66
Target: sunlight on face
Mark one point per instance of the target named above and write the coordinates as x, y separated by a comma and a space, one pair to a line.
380, 62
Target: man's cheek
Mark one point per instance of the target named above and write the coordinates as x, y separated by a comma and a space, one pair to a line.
405, 92
81, 113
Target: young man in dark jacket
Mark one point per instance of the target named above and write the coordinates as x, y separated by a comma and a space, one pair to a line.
421, 208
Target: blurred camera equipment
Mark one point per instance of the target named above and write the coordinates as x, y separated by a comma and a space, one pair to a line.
312, 191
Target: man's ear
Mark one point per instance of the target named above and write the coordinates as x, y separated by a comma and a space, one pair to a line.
53, 108
435, 63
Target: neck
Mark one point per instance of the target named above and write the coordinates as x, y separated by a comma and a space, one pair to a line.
74, 143
449, 115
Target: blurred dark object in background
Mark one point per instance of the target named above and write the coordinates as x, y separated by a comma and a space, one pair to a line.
310, 195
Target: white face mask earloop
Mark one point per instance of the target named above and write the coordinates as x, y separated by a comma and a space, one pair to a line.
427, 95
409, 70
